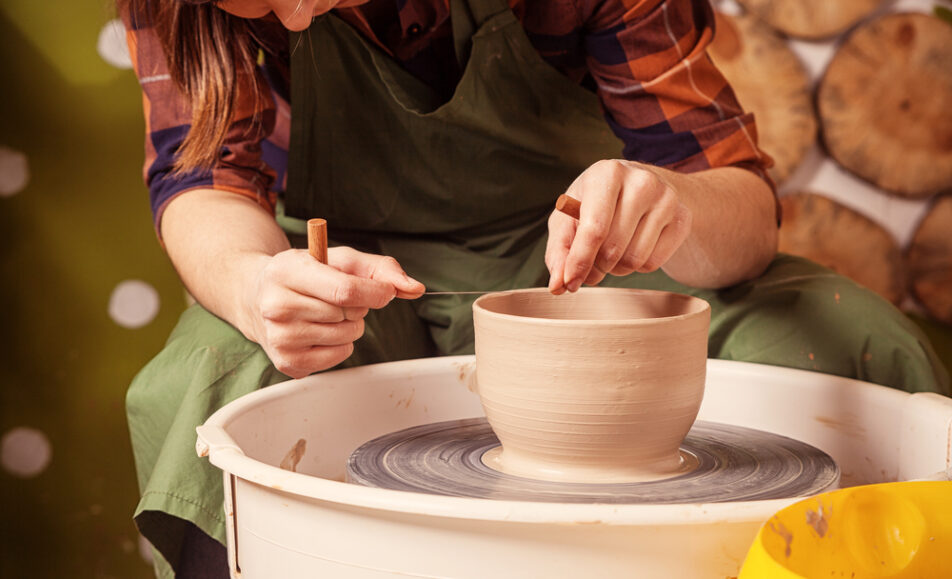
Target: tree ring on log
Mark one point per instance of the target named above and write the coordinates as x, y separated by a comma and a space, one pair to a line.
811, 19
884, 104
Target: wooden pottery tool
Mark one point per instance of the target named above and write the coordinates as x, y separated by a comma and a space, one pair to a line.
569, 205
317, 239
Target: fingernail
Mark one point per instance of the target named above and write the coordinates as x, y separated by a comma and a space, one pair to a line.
573, 285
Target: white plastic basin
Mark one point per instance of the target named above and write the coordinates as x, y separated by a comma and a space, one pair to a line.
308, 523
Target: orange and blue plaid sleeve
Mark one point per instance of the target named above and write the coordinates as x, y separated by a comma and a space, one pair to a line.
661, 93
241, 168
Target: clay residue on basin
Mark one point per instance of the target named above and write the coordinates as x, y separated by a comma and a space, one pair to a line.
406, 401
294, 456
467, 374
845, 424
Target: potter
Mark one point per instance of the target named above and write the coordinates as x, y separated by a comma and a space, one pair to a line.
597, 386
434, 136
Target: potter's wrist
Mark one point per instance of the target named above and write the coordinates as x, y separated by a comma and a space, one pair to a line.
251, 282
673, 180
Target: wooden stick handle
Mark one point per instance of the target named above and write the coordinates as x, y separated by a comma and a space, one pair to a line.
317, 239
569, 205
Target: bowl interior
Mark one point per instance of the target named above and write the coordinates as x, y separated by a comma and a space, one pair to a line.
592, 304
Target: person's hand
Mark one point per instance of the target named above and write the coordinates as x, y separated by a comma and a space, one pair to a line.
631, 221
307, 315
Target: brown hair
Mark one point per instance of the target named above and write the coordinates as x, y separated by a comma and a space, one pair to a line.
212, 55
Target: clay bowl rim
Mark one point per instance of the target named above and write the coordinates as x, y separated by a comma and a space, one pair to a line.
530, 320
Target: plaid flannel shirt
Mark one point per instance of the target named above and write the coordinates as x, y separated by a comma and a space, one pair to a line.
645, 59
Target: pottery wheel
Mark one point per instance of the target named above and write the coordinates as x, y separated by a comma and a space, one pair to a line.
734, 464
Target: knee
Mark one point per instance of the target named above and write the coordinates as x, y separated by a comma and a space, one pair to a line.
201, 349
813, 319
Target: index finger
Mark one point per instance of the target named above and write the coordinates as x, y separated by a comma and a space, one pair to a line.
561, 232
594, 225
309, 277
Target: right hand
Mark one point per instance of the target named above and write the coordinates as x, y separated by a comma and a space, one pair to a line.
307, 315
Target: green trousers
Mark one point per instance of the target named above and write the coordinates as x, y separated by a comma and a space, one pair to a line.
797, 315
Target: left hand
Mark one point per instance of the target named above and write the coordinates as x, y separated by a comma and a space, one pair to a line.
631, 221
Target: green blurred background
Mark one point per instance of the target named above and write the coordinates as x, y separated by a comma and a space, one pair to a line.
75, 330
89, 295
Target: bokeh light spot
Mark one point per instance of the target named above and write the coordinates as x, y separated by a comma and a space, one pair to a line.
112, 45
133, 304
14, 171
25, 452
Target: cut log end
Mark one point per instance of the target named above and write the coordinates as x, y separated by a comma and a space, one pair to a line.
811, 19
929, 261
883, 104
769, 81
835, 236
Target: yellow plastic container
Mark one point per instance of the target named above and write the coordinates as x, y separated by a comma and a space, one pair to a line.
895, 530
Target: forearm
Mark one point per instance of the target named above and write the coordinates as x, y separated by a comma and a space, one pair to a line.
733, 236
237, 262
218, 243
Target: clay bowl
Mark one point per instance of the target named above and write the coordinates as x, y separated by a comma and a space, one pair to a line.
597, 386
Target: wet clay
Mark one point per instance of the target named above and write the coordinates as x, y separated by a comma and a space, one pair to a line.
597, 386
527, 467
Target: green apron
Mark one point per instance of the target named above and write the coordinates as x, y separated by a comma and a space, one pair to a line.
459, 193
